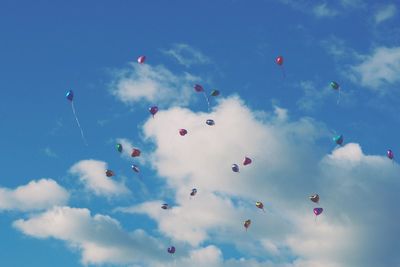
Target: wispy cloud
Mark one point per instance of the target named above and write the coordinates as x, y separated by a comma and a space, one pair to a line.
187, 55
313, 96
337, 48
353, 3
378, 69
36, 195
92, 174
155, 85
385, 13
50, 153
322, 10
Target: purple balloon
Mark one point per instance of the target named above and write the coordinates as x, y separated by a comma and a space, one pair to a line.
171, 250
235, 168
153, 110
318, 211
198, 88
390, 154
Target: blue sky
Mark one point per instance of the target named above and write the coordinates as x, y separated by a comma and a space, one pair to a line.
57, 206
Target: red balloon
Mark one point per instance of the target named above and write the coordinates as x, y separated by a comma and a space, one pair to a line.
279, 60
135, 152
246, 161
109, 173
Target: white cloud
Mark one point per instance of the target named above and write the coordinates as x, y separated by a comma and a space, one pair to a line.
187, 55
156, 85
385, 13
322, 10
288, 165
378, 69
36, 195
100, 238
92, 174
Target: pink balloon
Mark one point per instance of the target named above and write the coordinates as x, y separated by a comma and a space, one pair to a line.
141, 59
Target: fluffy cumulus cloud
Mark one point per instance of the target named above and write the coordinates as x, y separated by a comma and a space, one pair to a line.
92, 174
100, 238
36, 195
358, 191
379, 69
385, 13
186, 55
359, 194
156, 85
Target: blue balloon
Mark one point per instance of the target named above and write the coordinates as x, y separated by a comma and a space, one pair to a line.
210, 122
70, 95
235, 168
194, 192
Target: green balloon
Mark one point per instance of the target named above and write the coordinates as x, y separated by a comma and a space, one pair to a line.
334, 85
214, 93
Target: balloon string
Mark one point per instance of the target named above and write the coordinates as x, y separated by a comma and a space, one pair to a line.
207, 99
338, 97
77, 122
283, 72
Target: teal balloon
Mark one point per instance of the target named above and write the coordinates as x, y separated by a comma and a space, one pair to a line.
338, 139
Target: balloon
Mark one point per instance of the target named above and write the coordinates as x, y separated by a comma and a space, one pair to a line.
279, 60
119, 147
198, 88
235, 168
171, 250
141, 59
338, 139
214, 93
246, 161
210, 122
314, 198
109, 173
164, 206
194, 192
334, 85
135, 152
70, 95
318, 211
135, 168
390, 154
153, 110
182, 132
247, 224
260, 205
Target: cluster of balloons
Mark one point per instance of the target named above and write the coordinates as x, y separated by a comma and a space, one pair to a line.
338, 139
